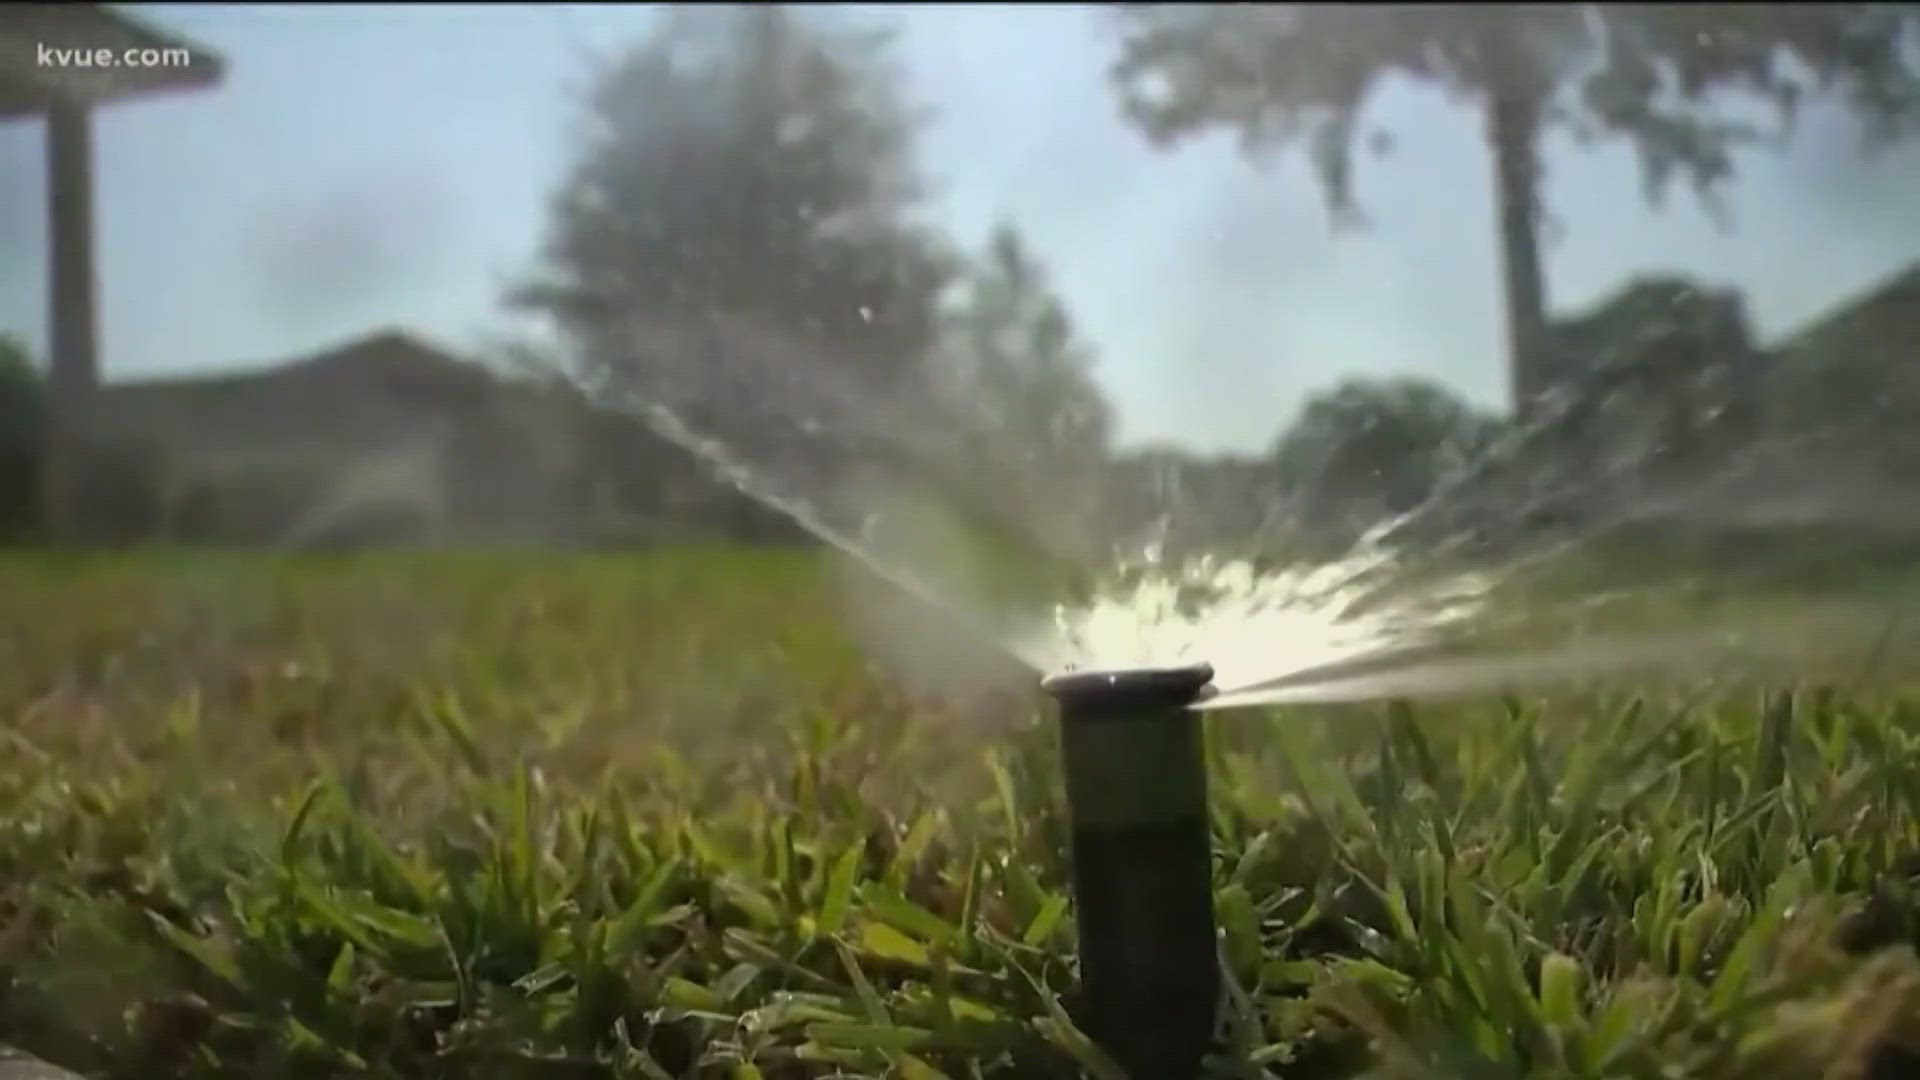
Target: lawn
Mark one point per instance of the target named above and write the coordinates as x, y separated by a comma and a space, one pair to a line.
660, 816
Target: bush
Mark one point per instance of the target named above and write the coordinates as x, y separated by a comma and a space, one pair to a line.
22, 417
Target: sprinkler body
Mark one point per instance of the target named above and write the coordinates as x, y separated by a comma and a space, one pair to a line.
1142, 864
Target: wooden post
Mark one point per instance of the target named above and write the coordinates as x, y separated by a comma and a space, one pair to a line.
73, 321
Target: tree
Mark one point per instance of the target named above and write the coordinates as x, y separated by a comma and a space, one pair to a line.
1662, 376
1035, 427
736, 240
1369, 449
1280, 74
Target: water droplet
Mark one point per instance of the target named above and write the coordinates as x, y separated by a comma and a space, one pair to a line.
866, 314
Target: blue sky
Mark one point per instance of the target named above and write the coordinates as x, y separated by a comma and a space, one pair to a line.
369, 166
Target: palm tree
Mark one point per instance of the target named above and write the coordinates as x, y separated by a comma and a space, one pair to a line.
1282, 74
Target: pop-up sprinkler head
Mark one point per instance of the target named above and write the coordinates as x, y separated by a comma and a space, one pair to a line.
1142, 875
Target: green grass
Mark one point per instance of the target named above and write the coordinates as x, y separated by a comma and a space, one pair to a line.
498, 816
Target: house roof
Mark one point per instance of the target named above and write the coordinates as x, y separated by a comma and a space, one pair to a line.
94, 32
391, 352
385, 349
1863, 317
355, 383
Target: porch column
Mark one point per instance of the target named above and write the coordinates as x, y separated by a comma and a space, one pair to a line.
72, 316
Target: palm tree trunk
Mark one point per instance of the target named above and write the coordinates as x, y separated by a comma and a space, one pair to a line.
1513, 131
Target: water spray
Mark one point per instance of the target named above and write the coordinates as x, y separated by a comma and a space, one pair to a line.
1136, 783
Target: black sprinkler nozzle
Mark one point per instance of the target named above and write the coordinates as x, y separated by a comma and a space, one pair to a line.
1136, 783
